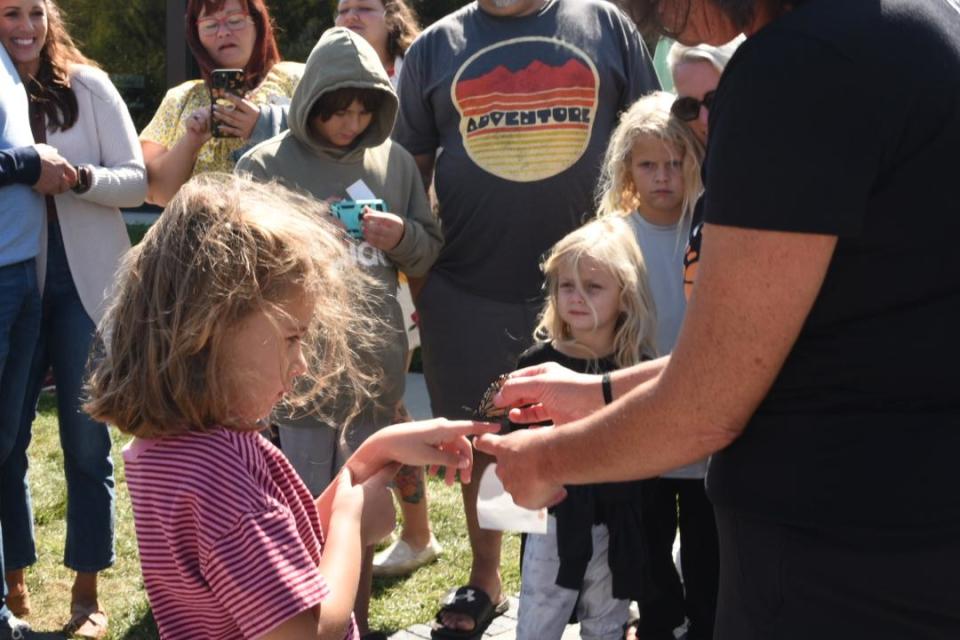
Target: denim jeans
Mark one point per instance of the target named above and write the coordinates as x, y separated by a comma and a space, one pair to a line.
19, 329
66, 335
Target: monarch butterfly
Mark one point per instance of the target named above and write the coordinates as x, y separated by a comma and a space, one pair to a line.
487, 409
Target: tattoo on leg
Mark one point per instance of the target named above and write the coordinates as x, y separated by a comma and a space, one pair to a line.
409, 481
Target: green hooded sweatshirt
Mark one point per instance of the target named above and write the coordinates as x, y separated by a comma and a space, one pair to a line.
300, 159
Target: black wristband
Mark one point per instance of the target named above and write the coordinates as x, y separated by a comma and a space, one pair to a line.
606, 388
84, 179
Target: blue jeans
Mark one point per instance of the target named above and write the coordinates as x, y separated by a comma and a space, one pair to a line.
19, 329
66, 335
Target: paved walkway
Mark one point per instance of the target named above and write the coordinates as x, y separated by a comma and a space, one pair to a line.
502, 628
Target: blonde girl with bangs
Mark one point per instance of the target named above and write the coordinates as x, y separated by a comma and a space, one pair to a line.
598, 316
241, 297
651, 178
604, 245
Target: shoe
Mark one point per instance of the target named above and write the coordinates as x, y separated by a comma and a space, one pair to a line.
19, 603
13, 628
472, 603
399, 559
86, 622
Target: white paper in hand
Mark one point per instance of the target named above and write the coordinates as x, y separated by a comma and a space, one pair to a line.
360, 191
496, 509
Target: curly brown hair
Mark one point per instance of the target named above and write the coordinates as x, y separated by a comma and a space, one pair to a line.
265, 52
403, 26
227, 247
50, 88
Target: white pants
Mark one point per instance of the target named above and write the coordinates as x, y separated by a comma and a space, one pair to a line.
545, 608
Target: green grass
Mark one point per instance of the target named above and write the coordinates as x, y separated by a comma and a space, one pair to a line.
398, 603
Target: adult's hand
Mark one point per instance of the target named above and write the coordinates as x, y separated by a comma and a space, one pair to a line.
56, 174
198, 127
549, 392
520, 466
238, 121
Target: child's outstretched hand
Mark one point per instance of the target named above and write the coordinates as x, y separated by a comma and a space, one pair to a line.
437, 442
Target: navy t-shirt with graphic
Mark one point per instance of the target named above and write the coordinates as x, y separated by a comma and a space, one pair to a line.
523, 108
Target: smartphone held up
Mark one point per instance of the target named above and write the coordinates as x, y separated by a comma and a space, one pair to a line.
224, 82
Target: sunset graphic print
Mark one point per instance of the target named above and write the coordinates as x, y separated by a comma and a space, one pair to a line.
526, 107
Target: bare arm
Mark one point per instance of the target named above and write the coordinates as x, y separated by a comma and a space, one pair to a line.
754, 290
425, 163
341, 510
169, 169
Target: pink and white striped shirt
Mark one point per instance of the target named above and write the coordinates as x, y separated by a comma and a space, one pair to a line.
229, 536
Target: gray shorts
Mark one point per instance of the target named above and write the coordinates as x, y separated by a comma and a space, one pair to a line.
318, 451
466, 342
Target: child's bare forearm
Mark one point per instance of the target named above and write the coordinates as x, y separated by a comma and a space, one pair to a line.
340, 567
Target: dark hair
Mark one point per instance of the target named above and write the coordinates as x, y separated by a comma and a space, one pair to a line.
333, 101
403, 27
646, 13
50, 89
265, 53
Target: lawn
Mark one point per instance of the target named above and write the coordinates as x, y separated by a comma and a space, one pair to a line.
398, 603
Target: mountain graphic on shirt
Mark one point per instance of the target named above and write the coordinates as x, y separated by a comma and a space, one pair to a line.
530, 122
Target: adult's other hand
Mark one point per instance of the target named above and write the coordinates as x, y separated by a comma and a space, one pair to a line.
520, 466
56, 174
549, 392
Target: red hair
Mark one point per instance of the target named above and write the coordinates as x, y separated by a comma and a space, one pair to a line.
265, 53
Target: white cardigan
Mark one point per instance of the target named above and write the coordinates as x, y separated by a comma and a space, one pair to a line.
94, 234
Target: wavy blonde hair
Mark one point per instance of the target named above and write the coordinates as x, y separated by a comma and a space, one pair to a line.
224, 248
648, 117
610, 242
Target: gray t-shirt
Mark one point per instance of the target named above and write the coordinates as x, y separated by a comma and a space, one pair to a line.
663, 248
523, 109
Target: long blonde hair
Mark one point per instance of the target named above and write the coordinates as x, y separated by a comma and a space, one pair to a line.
648, 117
610, 242
226, 247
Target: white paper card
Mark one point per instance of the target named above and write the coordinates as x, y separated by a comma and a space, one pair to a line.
360, 191
496, 509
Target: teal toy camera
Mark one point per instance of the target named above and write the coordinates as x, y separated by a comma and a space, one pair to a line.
349, 211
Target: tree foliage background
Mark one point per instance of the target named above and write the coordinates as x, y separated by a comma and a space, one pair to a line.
127, 37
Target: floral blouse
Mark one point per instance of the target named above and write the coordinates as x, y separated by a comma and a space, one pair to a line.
168, 125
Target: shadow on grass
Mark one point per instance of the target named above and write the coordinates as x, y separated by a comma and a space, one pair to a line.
143, 629
47, 403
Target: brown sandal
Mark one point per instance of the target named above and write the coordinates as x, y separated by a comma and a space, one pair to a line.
19, 603
86, 622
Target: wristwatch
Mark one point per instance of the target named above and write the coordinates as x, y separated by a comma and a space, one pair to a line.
84, 179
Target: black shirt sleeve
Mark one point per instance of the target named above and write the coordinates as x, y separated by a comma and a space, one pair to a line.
792, 142
20, 165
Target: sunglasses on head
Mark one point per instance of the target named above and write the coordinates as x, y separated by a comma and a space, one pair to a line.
688, 109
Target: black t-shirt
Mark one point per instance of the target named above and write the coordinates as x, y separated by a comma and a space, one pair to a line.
843, 117
614, 504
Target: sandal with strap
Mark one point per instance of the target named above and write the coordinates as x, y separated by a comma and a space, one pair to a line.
19, 603
86, 622
473, 603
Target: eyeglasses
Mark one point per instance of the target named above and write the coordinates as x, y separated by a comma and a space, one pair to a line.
233, 22
688, 109
360, 12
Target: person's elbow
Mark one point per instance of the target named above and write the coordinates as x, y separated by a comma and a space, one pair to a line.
720, 431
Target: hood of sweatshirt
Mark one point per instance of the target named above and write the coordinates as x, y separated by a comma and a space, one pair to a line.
341, 59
